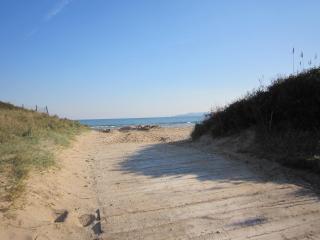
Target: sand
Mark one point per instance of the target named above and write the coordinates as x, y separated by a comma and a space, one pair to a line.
158, 185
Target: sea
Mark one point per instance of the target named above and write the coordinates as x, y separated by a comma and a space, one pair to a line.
178, 121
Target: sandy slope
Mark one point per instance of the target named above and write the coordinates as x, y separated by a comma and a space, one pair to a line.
68, 186
148, 185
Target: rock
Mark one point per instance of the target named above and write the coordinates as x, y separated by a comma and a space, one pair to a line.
86, 219
60, 215
138, 127
127, 128
163, 139
146, 127
106, 130
143, 128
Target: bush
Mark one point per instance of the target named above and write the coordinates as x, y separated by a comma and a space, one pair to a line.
288, 107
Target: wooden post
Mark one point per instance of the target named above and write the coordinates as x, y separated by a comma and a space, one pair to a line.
36, 108
47, 110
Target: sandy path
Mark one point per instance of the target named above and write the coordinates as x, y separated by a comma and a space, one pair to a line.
157, 190
149, 186
68, 186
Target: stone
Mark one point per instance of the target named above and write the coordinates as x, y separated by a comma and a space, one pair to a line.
86, 219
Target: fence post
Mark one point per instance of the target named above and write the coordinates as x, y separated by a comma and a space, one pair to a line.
47, 110
36, 108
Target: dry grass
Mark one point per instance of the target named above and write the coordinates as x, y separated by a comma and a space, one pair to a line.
27, 140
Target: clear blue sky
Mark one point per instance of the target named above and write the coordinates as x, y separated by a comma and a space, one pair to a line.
117, 58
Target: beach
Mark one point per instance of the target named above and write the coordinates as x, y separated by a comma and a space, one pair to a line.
159, 120
157, 184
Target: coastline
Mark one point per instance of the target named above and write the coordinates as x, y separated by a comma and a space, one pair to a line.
183, 121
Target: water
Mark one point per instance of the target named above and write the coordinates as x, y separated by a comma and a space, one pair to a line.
161, 121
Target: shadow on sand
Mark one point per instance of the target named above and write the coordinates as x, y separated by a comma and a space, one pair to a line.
180, 159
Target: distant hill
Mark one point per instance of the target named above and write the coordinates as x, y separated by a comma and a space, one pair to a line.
195, 114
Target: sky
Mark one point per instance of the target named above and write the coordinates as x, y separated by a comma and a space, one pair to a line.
140, 58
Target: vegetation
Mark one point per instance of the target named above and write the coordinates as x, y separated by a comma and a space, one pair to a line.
285, 117
27, 140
